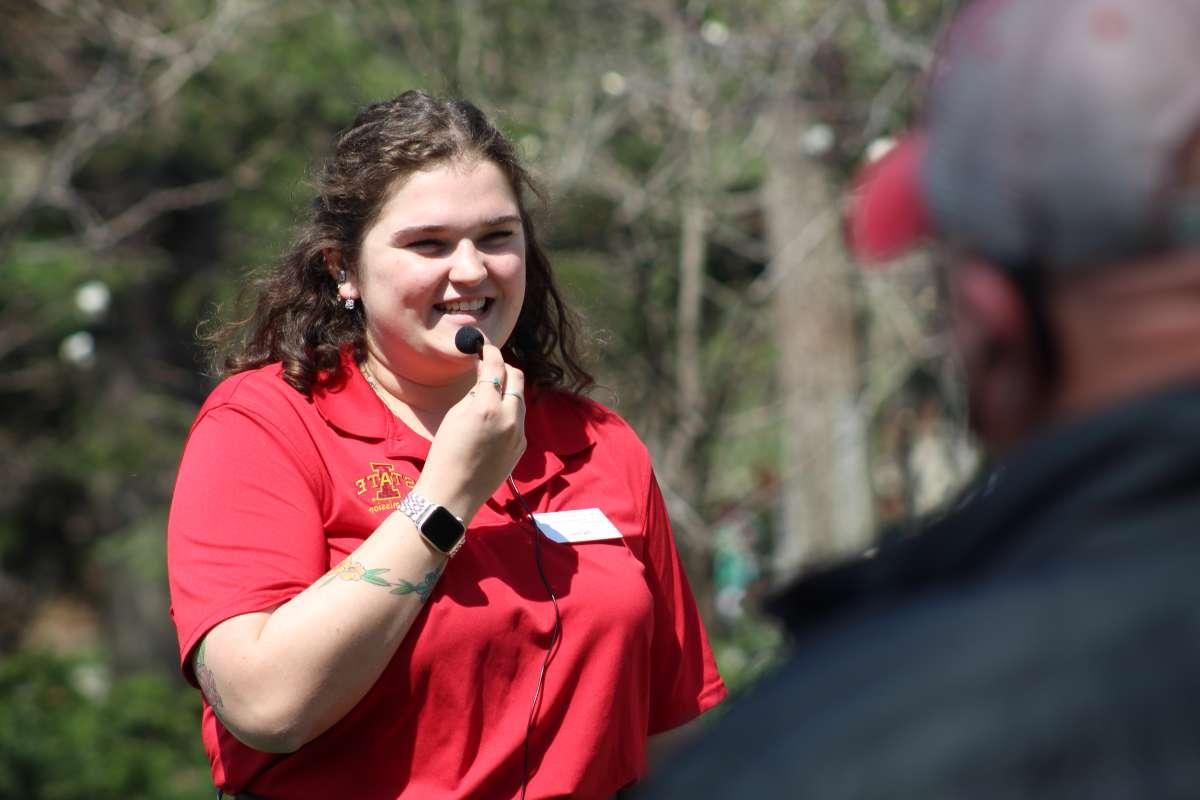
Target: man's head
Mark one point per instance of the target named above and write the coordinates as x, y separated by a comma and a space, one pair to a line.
1059, 167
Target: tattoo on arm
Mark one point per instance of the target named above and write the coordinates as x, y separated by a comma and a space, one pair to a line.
348, 570
204, 677
421, 589
351, 570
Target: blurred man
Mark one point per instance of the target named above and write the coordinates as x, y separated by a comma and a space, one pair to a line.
1043, 638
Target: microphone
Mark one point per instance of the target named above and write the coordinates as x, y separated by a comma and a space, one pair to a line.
469, 341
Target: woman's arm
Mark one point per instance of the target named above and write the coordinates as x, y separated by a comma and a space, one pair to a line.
279, 679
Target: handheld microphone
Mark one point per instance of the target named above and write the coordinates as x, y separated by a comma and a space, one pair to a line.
469, 341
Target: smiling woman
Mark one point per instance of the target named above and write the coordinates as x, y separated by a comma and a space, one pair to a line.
298, 319
447, 250
353, 450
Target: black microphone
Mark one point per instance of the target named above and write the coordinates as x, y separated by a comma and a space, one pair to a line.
469, 340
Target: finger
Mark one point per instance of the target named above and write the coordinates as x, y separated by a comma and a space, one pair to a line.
514, 387
492, 369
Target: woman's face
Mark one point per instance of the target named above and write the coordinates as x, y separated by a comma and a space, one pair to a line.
447, 251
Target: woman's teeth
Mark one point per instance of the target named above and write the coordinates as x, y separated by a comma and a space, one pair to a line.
458, 306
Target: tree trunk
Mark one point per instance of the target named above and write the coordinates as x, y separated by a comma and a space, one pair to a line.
826, 506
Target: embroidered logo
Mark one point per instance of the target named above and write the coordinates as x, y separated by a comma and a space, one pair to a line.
386, 483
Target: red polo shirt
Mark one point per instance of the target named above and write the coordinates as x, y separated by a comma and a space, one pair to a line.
275, 489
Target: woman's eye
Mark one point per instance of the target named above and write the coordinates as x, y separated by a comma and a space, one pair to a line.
498, 237
427, 244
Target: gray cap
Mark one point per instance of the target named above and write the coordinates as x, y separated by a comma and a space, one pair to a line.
1055, 132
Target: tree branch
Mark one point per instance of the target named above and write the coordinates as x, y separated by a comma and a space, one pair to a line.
903, 50
104, 234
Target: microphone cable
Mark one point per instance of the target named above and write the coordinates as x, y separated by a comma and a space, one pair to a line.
555, 634
470, 341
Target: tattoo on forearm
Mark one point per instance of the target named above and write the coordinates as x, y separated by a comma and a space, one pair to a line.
207, 682
421, 589
351, 570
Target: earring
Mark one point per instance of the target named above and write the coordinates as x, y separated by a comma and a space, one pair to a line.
341, 278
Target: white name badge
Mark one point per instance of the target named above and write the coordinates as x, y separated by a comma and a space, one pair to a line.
570, 527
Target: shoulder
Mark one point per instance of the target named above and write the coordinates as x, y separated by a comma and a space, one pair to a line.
260, 419
260, 392
1015, 698
593, 440
569, 420
259, 398
261, 388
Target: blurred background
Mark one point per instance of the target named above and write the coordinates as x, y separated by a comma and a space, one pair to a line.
694, 156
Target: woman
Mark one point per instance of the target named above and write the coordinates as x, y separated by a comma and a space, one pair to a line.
349, 637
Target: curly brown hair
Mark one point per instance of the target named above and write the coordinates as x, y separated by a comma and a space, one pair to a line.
299, 319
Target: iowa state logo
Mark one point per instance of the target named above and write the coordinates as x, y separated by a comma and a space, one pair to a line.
386, 483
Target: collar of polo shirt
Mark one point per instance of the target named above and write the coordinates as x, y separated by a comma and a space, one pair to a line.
556, 427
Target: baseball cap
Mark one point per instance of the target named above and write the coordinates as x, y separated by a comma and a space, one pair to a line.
1055, 134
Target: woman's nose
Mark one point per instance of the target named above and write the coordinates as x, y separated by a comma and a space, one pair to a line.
467, 266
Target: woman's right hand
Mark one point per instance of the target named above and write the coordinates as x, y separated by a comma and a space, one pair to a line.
479, 441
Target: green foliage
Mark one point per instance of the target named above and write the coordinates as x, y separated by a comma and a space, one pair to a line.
66, 734
140, 549
41, 279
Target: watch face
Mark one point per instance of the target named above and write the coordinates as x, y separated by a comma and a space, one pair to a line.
442, 529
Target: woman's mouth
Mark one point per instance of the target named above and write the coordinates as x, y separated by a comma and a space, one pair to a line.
476, 306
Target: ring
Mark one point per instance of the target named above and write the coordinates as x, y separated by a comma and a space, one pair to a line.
495, 383
516, 395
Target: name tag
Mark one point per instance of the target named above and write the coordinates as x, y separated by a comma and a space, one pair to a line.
571, 527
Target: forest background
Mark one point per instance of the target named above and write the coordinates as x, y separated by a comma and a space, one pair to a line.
694, 156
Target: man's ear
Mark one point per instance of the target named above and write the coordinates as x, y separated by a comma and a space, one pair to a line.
995, 340
989, 307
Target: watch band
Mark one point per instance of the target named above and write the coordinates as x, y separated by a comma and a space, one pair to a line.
413, 506
443, 531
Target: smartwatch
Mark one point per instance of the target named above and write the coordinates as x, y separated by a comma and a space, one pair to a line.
444, 531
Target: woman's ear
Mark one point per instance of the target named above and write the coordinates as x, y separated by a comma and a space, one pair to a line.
347, 288
333, 263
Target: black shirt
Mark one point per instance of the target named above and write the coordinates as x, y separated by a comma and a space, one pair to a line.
1042, 640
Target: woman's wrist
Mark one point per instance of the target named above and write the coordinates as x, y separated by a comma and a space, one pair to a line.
457, 500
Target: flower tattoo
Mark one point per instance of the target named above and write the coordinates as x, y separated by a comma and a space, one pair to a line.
351, 570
